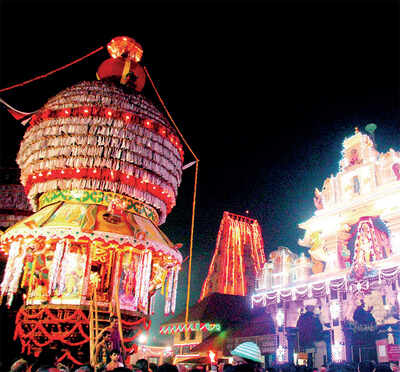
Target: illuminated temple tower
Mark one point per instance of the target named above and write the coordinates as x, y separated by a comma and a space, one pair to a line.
101, 167
238, 258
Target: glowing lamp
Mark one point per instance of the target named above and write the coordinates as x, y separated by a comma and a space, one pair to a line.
123, 46
335, 310
212, 355
280, 317
280, 354
337, 352
142, 338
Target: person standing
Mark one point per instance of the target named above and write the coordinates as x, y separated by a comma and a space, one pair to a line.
103, 351
115, 363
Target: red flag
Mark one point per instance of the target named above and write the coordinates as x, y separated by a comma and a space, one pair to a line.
18, 115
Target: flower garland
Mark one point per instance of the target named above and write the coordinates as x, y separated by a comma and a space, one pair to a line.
67, 354
32, 322
37, 327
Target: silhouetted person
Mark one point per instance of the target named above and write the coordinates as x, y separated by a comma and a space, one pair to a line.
143, 365
166, 367
366, 366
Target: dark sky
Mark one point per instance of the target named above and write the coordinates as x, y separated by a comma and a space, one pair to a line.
264, 92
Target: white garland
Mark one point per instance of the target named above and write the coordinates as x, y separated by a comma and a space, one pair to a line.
13, 270
168, 294
144, 296
139, 273
54, 274
176, 276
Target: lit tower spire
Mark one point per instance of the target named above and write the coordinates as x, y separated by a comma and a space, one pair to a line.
238, 257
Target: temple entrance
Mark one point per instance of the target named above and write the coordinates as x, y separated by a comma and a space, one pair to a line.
362, 353
361, 338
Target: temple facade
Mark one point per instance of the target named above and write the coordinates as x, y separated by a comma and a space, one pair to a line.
342, 301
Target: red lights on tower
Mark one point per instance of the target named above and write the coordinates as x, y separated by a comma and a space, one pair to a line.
238, 257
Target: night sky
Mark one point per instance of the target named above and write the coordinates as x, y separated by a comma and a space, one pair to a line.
264, 92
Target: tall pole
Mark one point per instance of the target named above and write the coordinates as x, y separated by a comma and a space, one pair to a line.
191, 242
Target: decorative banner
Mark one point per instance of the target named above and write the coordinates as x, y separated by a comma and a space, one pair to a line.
100, 198
192, 326
393, 352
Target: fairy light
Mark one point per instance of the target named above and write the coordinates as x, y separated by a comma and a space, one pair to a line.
234, 247
280, 354
234, 234
228, 261
240, 249
335, 309
211, 268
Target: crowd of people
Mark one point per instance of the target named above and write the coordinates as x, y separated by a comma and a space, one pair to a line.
364, 366
246, 358
142, 365
244, 365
